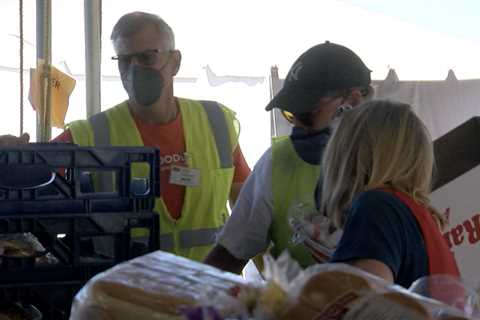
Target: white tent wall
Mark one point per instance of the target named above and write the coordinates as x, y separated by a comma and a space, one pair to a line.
234, 40
442, 105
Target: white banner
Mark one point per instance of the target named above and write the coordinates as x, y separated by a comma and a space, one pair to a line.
461, 196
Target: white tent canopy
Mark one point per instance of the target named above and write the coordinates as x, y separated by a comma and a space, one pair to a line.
237, 41
441, 104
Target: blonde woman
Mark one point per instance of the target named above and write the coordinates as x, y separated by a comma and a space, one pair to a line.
378, 167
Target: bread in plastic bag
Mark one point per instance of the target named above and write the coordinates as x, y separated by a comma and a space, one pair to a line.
343, 292
163, 286
154, 286
264, 300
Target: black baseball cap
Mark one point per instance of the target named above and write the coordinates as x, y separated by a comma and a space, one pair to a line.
323, 68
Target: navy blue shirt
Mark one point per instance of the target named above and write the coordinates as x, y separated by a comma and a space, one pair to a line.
381, 227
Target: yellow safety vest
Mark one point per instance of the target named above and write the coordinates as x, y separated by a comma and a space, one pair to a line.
293, 181
211, 135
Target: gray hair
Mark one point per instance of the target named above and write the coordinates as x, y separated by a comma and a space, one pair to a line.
131, 23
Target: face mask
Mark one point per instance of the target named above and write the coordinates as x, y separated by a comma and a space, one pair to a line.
143, 84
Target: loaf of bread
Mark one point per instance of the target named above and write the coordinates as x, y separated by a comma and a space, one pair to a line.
389, 305
328, 295
326, 287
340, 292
20, 245
153, 286
158, 285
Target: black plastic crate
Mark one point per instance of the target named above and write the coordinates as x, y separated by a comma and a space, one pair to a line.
67, 236
19, 311
49, 190
50, 289
46, 178
16, 263
47, 275
52, 299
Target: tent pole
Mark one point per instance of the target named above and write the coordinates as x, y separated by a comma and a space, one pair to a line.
93, 33
44, 52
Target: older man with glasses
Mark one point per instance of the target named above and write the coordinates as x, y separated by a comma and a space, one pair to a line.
324, 80
202, 166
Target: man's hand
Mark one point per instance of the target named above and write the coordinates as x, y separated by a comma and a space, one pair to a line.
9, 140
222, 259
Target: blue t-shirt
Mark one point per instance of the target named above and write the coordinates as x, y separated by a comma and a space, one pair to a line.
381, 227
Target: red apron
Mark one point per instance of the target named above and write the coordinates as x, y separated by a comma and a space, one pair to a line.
440, 258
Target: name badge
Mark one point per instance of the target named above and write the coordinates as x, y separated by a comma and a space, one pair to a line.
184, 176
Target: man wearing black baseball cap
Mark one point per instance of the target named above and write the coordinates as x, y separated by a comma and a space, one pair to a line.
323, 80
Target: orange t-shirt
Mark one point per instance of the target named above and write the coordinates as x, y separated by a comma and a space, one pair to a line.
170, 140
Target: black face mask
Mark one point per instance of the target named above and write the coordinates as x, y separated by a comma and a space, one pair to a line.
144, 85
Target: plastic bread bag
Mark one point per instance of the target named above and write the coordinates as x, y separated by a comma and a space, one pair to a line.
155, 286
279, 275
334, 291
449, 290
20, 245
399, 303
326, 291
313, 230
19, 250
265, 300
239, 302
342, 292
202, 313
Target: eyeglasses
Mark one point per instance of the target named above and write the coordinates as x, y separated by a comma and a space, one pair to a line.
147, 57
366, 92
288, 116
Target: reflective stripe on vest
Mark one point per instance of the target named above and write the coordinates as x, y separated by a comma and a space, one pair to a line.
198, 238
101, 132
166, 242
190, 239
101, 138
216, 117
218, 123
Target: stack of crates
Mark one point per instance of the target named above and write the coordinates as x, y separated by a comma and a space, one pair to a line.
53, 192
